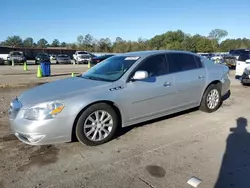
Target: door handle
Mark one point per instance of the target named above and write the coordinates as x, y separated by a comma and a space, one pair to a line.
201, 77
167, 84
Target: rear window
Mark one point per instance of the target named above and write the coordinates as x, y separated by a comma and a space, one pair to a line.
244, 57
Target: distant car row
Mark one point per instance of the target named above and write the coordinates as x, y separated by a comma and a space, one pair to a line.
80, 57
83, 58
230, 59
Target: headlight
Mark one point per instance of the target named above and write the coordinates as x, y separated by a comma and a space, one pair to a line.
246, 71
44, 111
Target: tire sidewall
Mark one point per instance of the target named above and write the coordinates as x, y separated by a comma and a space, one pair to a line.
80, 123
211, 87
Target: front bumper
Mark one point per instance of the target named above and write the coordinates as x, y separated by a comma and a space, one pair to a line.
57, 130
245, 79
64, 61
83, 60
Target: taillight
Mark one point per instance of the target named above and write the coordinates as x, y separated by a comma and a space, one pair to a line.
97, 61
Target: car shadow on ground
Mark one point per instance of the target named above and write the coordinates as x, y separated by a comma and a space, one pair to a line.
235, 166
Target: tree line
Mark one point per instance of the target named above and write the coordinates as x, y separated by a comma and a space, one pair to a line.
172, 40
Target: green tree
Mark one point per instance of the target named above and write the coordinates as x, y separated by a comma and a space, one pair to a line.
118, 39
28, 42
63, 44
42, 43
218, 34
80, 41
88, 39
88, 42
55, 43
13, 41
105, 45
157, 42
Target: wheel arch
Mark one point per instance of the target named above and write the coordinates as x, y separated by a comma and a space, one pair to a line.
112, 104
211, 83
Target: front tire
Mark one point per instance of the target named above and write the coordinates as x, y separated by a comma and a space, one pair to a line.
97, 125
211, 100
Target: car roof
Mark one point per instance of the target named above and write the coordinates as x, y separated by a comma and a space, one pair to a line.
153, 52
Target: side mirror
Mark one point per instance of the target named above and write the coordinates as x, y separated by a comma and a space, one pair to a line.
140, 75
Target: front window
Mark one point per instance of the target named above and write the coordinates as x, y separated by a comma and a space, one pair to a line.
110, 69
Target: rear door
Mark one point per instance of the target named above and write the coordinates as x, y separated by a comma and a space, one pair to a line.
190, 78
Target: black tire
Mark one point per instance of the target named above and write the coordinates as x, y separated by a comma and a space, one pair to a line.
80, 124
57, 62
204, 106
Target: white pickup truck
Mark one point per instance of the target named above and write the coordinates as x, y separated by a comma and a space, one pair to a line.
82, 57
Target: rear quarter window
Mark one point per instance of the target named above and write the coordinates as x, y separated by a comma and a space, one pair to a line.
198, 61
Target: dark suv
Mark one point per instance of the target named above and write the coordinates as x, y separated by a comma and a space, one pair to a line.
42, 57
236, 53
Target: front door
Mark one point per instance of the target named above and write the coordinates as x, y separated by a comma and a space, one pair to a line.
151, 96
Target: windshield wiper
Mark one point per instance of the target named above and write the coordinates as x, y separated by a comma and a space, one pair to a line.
95, 78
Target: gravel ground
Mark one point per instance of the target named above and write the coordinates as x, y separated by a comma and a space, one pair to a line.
162, 153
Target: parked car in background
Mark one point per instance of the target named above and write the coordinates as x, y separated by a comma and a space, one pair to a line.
63, 59
16, 56
1, 61
216, 57
82, 57
123, 90
236, 52
230, 61
207, 55
245, 79
241, 64
99, 59
52, 56
42, 57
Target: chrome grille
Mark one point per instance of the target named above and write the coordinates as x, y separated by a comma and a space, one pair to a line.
15, 107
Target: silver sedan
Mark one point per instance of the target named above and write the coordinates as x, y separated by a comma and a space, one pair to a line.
123, 90
63, 59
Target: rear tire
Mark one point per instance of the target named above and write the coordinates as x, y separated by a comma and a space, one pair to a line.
93, 128
211, 100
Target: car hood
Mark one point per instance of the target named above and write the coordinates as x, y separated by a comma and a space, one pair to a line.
59, 90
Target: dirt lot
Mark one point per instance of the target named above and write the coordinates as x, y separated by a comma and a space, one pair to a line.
161, 153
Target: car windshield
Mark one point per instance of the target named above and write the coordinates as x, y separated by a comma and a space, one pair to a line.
110, 69
82, 53
16, 53
43, 55
62, 55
